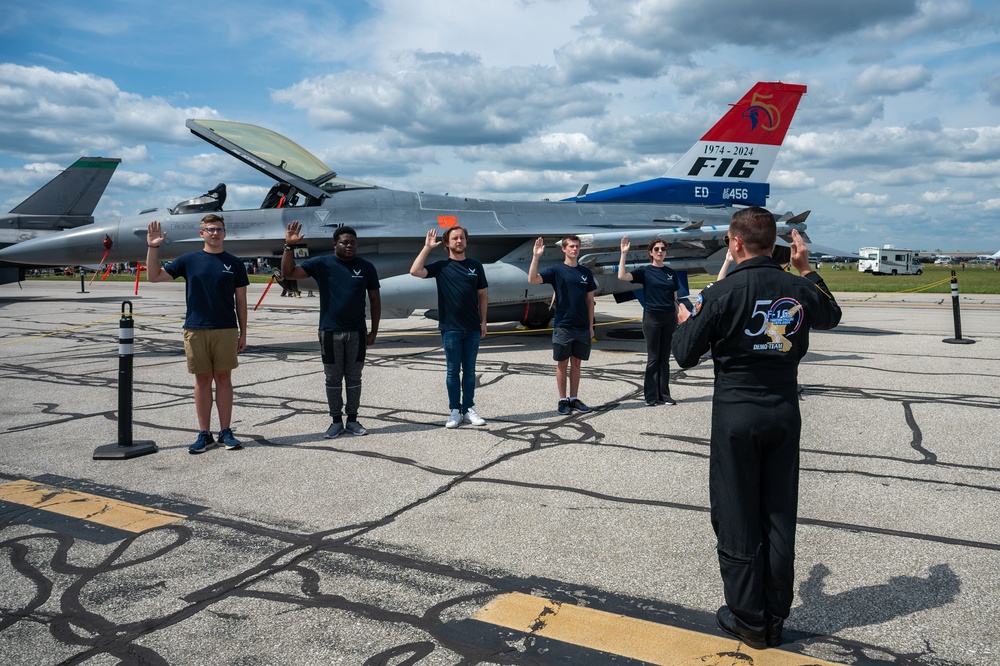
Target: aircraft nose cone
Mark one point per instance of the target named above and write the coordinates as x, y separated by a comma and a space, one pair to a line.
74, 247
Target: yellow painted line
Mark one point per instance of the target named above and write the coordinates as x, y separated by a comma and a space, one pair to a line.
874, 303
926, 286
92, 508
59, 332
626, 636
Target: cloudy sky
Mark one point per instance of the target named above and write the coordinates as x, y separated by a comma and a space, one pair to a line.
897, 140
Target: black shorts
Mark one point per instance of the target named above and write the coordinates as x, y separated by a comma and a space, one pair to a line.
570, 342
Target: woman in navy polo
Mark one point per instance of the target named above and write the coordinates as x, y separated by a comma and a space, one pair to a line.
659, 317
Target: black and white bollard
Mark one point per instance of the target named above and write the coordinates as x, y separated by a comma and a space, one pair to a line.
125, 448
958, 339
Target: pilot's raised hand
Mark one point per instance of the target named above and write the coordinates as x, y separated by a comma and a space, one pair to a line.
539, 248
800, 253
431, 241
155, 234
293, 233
625, 244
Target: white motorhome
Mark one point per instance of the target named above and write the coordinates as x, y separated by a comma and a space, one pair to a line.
889, 260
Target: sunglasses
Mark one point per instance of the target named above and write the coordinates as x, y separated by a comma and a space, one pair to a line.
660, 249
726, 240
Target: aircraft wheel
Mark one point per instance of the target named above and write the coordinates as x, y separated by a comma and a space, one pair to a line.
528, 322
536, 315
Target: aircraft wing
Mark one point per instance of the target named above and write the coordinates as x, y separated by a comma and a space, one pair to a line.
826, 250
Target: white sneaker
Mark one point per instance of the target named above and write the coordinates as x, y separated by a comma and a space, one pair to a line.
472, 417
456, 418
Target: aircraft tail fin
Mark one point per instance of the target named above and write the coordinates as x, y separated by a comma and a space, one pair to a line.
730, 163
74, 193
743, 145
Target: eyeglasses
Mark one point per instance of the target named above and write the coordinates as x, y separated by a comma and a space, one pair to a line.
214, 230
660, 249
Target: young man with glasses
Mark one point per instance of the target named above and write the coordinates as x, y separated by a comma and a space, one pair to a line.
756, 323
215, 327
343, 281
659, 317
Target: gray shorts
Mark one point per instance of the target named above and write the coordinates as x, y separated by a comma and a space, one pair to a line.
570, 342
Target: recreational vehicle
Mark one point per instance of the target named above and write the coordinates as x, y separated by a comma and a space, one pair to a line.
889, 261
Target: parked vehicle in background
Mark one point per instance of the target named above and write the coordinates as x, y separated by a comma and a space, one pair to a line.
889, 260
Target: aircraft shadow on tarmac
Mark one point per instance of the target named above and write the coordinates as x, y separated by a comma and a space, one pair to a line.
11, 300
872, 604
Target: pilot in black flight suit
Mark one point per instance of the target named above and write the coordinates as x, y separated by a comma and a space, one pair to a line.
756, 322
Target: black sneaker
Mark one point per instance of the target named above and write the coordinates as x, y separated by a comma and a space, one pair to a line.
578, 405
667, 400
564, 407
355, 428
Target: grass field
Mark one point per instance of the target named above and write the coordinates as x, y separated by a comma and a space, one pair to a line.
935, 280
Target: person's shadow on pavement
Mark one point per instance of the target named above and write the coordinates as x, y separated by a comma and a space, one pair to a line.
829, 613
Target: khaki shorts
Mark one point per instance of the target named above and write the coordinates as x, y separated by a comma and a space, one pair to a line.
208, 350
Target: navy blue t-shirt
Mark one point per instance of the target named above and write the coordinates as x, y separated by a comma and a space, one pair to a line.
571, 284
343, 286
458, 285
211, 281
660, 285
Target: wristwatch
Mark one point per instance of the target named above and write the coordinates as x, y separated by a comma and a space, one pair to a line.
289, 247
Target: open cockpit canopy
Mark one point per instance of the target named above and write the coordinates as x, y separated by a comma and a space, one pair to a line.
275, 155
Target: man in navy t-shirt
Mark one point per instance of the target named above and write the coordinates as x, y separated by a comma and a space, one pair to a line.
573, 327
462, 301
215, 328
343, 281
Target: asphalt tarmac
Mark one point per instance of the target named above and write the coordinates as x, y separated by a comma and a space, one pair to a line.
420, 545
